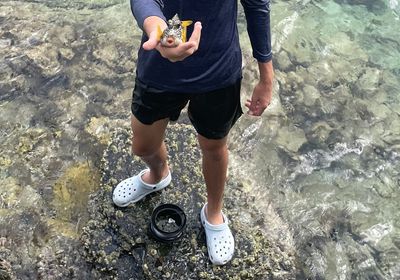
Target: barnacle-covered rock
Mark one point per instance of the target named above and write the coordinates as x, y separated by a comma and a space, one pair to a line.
117, 243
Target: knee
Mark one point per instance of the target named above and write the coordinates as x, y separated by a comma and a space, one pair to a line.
142, 149
216, 152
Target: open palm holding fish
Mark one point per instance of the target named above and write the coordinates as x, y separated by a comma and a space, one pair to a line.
170, 40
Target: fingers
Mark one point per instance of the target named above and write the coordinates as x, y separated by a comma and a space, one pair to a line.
260, 99
256, 108
180, 52
252, 108
196, 34
152, 42
188, 48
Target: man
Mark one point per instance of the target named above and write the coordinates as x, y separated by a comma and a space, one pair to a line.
205, 73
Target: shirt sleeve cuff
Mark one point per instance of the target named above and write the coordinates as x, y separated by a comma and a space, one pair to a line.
263, 57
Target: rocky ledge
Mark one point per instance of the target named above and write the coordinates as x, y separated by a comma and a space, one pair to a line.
116, 240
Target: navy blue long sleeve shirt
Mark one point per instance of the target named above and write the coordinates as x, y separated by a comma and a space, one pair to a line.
217, 62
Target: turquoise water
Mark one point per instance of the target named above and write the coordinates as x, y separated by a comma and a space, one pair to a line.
325, 155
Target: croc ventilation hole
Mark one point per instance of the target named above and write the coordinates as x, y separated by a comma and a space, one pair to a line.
123, 191
220, 249
133, 189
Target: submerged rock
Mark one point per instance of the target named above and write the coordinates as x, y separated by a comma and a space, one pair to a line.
71, 192
291, 138
116, 240
283, 62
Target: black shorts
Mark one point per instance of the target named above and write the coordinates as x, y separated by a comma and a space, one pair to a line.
212, 113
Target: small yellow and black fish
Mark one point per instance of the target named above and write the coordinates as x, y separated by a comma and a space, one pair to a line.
175, 33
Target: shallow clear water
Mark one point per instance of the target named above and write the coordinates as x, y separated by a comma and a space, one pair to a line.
325, 154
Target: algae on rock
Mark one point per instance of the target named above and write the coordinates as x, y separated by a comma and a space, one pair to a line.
71, 192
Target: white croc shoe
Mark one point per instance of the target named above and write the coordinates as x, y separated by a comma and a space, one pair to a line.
134, 189
220, 242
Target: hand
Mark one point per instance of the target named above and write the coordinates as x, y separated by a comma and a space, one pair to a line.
178, 53
260, 100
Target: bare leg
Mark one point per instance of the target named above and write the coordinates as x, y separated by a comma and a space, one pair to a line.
148, 144
215, 164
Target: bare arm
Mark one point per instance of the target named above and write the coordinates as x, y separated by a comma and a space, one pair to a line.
258, 27
262, 93
266, 72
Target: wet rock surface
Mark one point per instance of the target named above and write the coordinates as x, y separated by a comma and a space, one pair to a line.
117, 243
